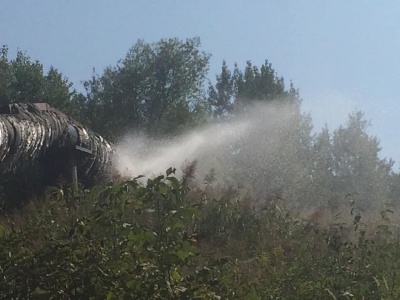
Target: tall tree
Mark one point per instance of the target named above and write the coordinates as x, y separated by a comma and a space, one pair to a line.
259, 84
274, 151
234, 91
358, 169
221, 96
23, 80
157, 88
322, 171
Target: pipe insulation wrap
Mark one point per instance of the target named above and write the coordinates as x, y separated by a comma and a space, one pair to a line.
29, 131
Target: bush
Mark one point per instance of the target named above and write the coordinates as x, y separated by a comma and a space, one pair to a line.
168, 239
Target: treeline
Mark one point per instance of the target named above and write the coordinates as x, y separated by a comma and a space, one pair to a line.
159, 89
233, 235
162, 90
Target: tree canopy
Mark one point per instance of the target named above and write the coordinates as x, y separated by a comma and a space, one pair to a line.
163, 239
156, 88
162, 89
23, 80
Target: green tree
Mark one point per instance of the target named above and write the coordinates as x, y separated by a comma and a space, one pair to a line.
234, 91
272, 155
221, 96
358, 169
259, 84
322, 167
157, 88
23, 80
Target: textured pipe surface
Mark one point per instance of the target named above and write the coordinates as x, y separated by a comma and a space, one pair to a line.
29, 132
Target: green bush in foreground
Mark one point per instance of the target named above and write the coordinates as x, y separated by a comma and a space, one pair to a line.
163, 240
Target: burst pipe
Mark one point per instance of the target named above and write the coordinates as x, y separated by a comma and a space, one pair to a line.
29, 132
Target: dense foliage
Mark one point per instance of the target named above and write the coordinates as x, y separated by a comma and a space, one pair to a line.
156, 88
297, 219
23, 80
169, 239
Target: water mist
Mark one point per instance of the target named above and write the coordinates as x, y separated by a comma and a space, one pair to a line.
259, 149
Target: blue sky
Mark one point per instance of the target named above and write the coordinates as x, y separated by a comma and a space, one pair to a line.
342, 55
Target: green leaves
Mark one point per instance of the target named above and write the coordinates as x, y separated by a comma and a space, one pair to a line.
156, 88
158, 240
118, 240
23, 80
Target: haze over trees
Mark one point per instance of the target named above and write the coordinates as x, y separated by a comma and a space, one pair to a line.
162, 90
162, 239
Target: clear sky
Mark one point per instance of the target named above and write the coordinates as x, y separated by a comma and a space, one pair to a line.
341, 54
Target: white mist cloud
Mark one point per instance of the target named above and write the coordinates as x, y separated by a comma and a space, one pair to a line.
261, 151
139, 155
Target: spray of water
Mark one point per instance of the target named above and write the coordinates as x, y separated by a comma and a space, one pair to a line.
264, 152
259, 148
139, 155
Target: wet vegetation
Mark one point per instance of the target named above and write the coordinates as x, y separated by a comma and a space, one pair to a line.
279, 212
168, 238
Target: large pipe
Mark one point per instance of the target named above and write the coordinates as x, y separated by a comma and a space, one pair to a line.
30, 132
